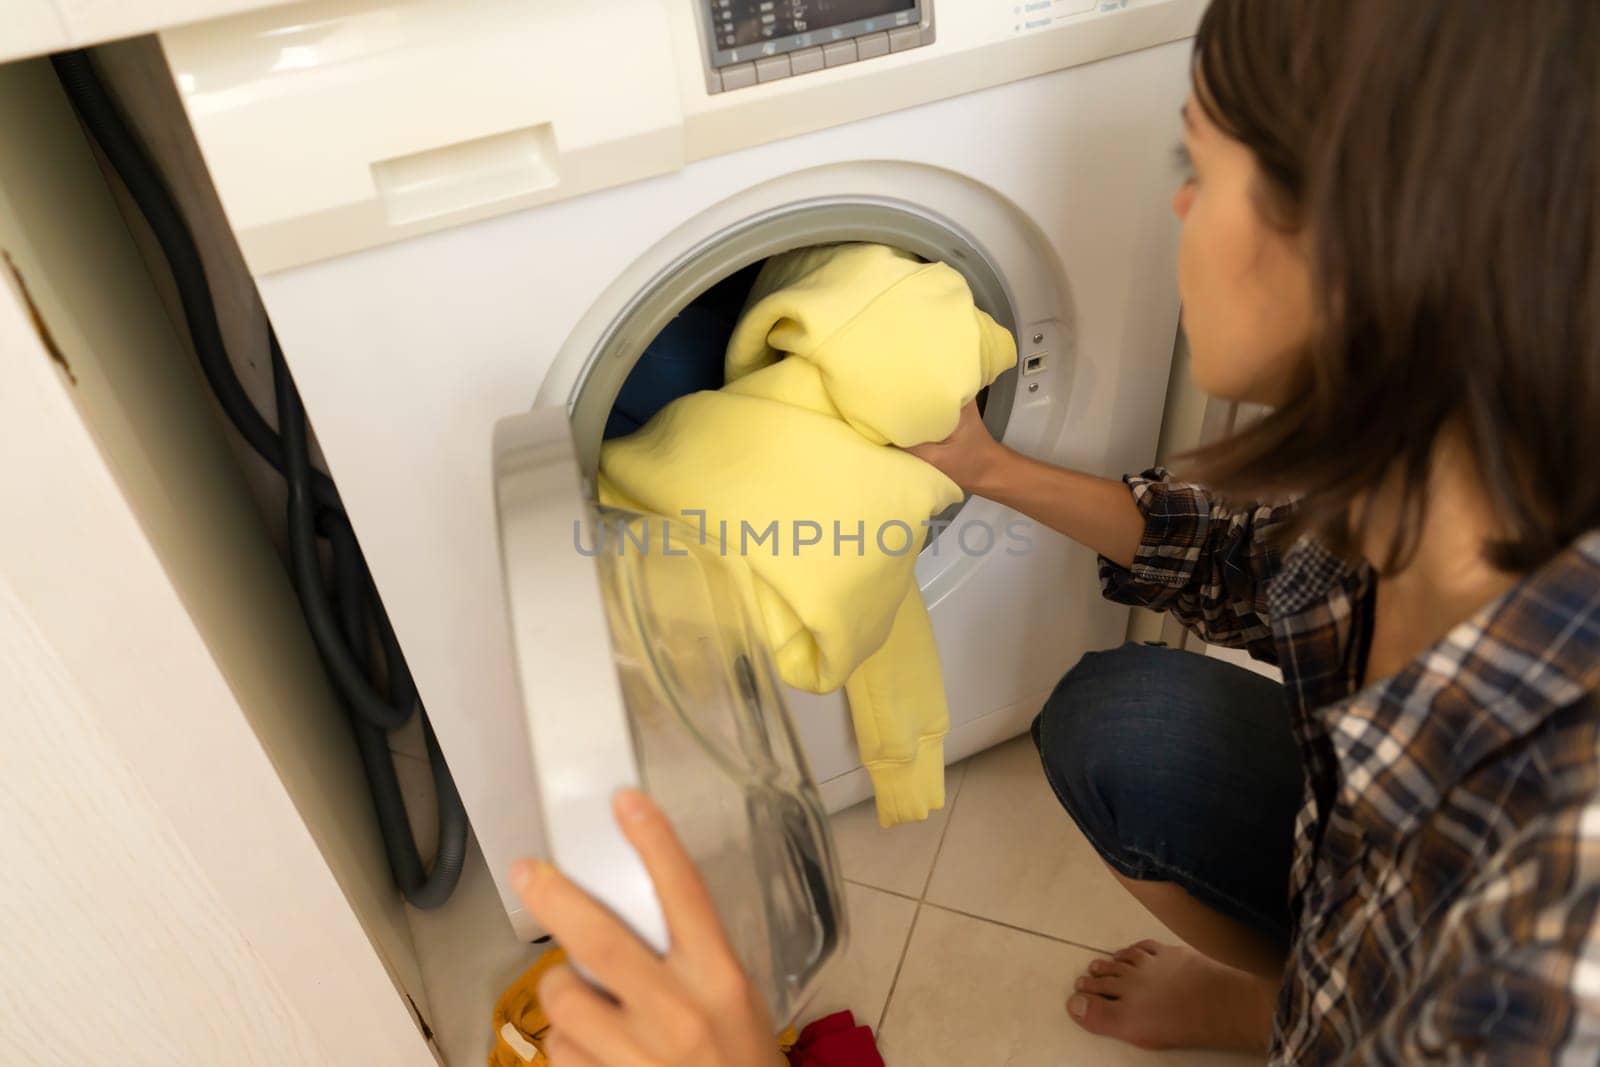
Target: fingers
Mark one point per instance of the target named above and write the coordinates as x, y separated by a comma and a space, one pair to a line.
691, 916
969, 416
588, 1025
562, 1051
594, 937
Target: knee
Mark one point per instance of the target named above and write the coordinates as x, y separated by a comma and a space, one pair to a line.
1108, 731
1079, 733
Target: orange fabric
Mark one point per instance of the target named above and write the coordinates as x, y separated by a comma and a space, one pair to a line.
519, 1006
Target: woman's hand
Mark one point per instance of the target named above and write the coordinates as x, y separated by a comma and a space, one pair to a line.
968, 456
695, 1007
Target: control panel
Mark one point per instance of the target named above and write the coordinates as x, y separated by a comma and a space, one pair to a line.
1029, 16
748, 42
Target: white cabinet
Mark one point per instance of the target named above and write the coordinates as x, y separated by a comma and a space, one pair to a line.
191, 872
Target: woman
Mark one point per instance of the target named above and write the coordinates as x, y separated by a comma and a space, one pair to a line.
1391, 237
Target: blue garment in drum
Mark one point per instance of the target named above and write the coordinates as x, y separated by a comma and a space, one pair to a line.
685, 357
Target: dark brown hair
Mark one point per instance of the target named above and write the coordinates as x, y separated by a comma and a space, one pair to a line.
1440, 158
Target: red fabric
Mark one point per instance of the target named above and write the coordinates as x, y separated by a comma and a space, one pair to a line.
836, 1041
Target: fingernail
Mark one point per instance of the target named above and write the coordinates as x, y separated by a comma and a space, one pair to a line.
631, 805
1077, 1006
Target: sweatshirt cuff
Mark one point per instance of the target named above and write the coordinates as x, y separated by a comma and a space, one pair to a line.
909, 790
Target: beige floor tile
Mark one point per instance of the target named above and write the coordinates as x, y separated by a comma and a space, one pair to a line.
1013, 855
859, 983
897, 859
971, 992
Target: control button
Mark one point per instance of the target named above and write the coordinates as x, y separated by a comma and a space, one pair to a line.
872, 45
905, 37
713, 82
834, 55
738, 77
806, 60
772, 68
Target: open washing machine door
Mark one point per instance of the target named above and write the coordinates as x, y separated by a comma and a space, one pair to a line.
641, 663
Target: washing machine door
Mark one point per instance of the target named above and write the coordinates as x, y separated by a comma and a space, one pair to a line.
641, 663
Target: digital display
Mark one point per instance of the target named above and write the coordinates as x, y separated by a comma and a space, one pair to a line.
738, 23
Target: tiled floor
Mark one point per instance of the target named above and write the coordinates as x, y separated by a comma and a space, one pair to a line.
968, 929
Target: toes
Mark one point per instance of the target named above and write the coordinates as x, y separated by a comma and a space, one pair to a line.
1102, 968
1096, 1014
1104, 987
1137, 953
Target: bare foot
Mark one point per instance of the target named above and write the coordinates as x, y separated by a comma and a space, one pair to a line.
1170, 996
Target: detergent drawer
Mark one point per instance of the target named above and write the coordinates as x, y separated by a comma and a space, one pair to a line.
641, 663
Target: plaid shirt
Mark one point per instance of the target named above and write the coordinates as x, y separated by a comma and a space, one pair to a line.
1446, 879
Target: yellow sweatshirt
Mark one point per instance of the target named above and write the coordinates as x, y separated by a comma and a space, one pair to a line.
842, 352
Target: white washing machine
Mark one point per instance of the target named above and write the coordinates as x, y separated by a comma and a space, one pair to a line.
456, 209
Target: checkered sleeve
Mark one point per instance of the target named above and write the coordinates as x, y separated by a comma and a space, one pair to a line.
1518, 979
1203, 561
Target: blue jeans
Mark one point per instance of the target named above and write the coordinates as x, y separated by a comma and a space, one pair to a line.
1180, 768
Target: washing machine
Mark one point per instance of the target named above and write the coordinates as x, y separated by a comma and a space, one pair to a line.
458, 210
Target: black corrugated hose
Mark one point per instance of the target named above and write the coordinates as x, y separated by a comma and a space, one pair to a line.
342, 625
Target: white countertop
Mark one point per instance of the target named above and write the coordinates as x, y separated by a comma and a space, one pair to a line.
33, 27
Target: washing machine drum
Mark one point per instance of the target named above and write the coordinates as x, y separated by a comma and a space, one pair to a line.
641, 662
